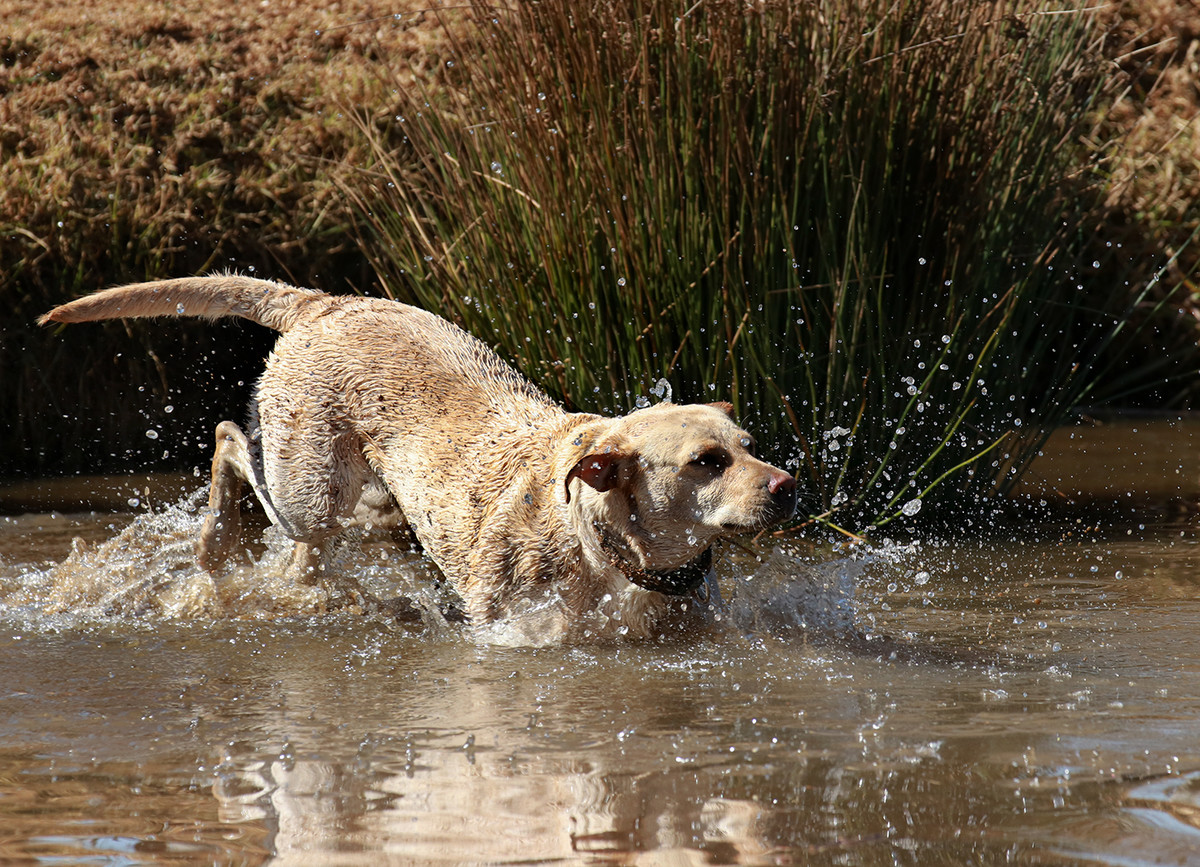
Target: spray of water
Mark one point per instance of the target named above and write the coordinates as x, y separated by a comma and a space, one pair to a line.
148, 571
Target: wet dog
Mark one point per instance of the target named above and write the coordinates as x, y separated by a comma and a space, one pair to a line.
372, 412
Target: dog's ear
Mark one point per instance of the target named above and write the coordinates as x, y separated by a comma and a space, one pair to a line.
724, 406
601, 471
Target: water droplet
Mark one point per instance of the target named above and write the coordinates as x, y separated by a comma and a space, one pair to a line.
911, 507
152, 434
620, 281
179, 309
921, 579
133, 502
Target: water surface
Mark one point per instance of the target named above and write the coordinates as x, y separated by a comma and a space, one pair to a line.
1027, 696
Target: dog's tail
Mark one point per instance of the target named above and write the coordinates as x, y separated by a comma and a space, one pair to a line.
275, 305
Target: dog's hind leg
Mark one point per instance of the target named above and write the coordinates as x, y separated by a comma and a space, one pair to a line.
232, 467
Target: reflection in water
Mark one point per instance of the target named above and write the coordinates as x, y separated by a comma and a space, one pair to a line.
1030, 698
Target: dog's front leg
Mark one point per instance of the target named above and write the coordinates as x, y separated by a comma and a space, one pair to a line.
306, 565
310, 566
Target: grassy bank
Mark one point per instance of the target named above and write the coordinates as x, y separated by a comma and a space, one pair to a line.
140, 141
808, 208
1151, 131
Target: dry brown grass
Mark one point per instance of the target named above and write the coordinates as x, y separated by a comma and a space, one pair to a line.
1157, 43
1153, 133
141, 140
138, 139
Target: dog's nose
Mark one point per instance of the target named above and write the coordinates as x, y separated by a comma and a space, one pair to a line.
781, 482
782, 488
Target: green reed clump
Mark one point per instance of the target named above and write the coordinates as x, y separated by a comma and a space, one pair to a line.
858, 221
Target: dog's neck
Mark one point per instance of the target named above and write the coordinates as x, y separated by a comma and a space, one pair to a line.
671, 582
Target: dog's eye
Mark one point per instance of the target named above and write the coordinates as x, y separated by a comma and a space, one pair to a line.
715, 459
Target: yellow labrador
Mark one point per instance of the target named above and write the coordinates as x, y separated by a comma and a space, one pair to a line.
375, 412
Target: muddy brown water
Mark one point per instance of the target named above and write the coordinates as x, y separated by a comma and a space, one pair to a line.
1030, 696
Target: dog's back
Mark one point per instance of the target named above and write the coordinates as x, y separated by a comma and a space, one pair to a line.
451, 429
446, 356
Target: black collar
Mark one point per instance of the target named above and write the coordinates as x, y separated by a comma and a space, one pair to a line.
671, 582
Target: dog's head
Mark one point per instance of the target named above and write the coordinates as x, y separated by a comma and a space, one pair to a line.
661, 484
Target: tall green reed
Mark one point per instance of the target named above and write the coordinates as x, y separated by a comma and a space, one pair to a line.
858, 221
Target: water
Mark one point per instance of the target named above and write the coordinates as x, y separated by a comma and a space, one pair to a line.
1032, 698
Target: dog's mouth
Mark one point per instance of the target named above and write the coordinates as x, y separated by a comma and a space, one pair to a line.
773, 512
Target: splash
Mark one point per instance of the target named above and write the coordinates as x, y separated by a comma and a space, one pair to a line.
148, 570
788, 594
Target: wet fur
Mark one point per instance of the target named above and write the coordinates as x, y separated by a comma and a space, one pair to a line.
375, 412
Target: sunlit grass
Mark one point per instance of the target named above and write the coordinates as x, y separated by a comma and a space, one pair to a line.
860, 222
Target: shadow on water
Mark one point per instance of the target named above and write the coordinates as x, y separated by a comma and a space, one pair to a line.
1030, 697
